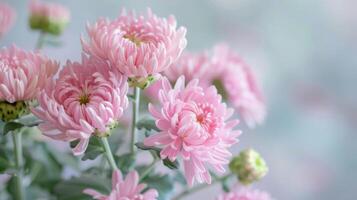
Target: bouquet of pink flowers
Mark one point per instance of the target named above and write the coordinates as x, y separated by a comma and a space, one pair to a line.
136, 103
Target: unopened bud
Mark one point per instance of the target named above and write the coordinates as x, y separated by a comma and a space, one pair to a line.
249, 166
141, 82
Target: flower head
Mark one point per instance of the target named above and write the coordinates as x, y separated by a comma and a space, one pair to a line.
48, 17
7, 18
245, 194
128, 188
22, 75
194, 125
87, 99
234, 80
138, 45
249, 166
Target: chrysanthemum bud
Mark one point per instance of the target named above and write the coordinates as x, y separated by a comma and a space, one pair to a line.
141, 82
48, 17
249, 166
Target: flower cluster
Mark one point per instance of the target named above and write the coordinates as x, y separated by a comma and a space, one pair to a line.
194, 125
87, 99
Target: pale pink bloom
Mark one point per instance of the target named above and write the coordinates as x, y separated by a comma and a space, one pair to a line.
190, 65
194, 125
51, 11
87, 99
7, 18
137, 45
125, 189
23, 74
241, 86
222, 64
245, 194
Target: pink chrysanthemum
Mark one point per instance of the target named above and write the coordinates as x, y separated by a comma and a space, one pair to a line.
222, 66
48, 17
194, 126
245, 194
125, 189
23, 74
139, 46
88, 98
241, 86
7, 18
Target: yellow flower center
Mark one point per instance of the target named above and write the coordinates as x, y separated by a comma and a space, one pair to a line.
137, 41
84, 99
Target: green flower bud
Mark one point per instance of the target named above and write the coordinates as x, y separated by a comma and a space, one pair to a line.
12, 111
141, 82
249, 166
45, 24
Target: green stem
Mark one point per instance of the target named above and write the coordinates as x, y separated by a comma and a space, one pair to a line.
201, 187
135, 117
41, 40
108, 153
17, 139
149, 168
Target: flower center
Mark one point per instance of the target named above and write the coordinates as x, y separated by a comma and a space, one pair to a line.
136, 40
206, 119
84, 99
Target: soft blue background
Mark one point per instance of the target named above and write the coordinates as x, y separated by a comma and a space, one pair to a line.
304, 52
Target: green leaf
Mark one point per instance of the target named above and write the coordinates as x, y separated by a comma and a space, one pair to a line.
162, 183
171, 165
146, 123
11, 126
73, 188
125, 162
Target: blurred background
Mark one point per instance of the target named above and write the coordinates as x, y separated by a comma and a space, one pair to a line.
304, 52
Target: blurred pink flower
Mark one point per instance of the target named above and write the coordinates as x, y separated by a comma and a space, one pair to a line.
125, 189
139, 46
23, 74
7, 18
245, 194
193, 124
48, 17
190, 65
241, 86
88, 98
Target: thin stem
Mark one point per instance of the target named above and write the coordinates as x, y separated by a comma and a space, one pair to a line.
135, 117
41, 40
108, 153
201, 187
17, 139
149, 168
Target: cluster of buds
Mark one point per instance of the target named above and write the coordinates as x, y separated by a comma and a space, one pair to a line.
249, 166
48, 17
